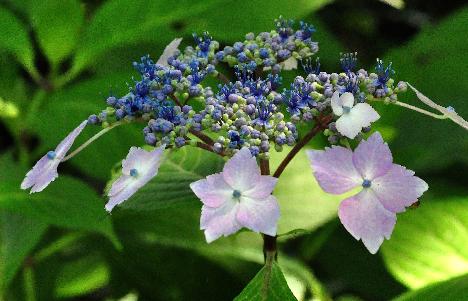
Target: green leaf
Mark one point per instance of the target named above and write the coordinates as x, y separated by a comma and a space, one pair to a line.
268, 285
429, 243
81, 276
66, 202
256, 16
454, 289
120, 23
303, 203
437, 75
19, 234
56, 35
67, 108
15, 40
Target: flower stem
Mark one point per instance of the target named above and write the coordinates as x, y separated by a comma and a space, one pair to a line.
270, 251
91, 140
202, 137
222, 78
322, 124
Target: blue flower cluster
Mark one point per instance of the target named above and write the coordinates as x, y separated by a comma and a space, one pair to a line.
269, 49
249, 111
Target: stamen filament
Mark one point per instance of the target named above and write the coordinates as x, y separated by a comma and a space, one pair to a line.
91, 140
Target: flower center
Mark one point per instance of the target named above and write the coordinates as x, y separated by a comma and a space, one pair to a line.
346, 109
236, 194
51, 155
134, 173
366, 183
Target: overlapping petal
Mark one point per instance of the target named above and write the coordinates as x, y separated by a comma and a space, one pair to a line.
334, 169
398, 188
241, 172
259, 215
220, 221
212, 191
366, 219
372, 157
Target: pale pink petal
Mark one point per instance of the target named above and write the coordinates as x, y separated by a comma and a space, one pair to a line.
336, 104
220, 221
241, 172
145, 163
41, 175
259, 215
263, 188
67, 143
361, 115
366, 219
334, 169
372, 158
347, 99
169, 51
398, 188
212, 191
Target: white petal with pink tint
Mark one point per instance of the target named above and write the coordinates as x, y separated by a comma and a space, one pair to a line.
144, 165
220, 221
372, 157
398, 188
213, 191
45, 170
263, 187
241, 172
334, 169
259, 215
366, 219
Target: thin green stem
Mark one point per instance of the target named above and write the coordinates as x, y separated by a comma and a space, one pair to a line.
91, 140
29, 282
417, 109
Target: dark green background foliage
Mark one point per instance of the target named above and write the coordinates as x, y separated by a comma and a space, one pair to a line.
59, 60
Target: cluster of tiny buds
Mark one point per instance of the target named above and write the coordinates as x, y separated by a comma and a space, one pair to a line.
250, 111
269, 49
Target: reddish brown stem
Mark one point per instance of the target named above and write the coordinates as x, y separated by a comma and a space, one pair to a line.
223, 78
269, 242
322, 123
202, 137
175, 99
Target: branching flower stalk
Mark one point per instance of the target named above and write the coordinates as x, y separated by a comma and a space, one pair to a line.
246, 118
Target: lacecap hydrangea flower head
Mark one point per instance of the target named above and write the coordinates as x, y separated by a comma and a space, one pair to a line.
250, 114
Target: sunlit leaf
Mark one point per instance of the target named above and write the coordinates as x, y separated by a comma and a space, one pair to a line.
429, 243
81, 276
57, 25
453, 289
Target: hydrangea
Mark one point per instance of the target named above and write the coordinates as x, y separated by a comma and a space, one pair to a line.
138, 168
45, 170
237, 197
352, 118
387, 188
247, 116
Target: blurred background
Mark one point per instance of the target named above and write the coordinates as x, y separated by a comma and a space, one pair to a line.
60, 60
